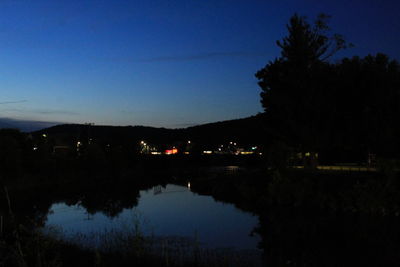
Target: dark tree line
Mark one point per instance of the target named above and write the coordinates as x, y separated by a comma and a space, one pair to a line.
350, 107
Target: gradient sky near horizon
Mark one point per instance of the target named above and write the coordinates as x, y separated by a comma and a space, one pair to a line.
158, 62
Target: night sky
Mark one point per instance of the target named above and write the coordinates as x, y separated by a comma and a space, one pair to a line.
160, 63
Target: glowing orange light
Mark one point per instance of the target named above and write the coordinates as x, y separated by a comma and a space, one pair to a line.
171, 151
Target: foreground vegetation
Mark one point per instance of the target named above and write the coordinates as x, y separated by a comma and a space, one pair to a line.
336, 218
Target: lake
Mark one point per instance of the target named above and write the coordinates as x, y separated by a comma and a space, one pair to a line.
329, 219
165, 211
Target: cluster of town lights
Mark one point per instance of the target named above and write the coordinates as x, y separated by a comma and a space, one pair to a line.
146, 148
231, 148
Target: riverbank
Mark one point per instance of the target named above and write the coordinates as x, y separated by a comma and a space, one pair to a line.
334, 213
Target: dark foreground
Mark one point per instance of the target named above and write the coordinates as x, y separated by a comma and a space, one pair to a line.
305, 218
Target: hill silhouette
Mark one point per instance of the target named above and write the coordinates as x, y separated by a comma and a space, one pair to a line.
244, 131
24, 125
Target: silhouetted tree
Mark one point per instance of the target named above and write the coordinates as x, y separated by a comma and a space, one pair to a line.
296, 86
12, 144
367, 103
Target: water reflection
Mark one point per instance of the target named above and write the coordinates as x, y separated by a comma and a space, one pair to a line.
298, 221
167, 211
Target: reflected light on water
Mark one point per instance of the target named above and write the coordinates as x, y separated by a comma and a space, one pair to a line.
165, 211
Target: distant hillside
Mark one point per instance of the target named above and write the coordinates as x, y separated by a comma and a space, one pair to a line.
245, 131
24, 125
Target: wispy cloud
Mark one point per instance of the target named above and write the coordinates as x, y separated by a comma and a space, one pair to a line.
41, 111
192, 57
53, 111
13, 102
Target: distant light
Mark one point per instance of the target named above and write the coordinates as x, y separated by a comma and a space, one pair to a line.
189, 142
44, 135
260, 154
207, 152
171, 151
234, 144
186, 152
155, 153
142, 142
254, 148
307, 154
35, 148
246, 152
230, 143
188, 185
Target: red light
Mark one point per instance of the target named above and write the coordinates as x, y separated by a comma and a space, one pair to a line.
171, 151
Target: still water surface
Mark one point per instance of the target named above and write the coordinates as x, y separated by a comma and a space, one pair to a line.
170, 211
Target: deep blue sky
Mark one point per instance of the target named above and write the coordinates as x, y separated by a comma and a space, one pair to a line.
160, 63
